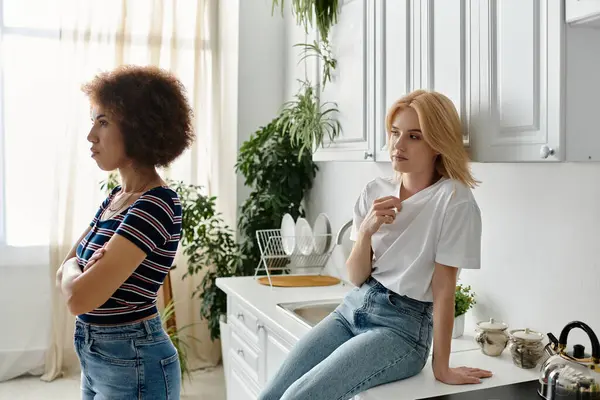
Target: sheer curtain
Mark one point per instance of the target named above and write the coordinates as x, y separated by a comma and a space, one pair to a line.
97, 35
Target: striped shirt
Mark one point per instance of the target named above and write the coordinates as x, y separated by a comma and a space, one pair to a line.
152, 223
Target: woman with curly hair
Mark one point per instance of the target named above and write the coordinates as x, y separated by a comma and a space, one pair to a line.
141, 120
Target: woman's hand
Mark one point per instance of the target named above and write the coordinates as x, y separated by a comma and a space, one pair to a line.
462, 376
382, 212
95, 257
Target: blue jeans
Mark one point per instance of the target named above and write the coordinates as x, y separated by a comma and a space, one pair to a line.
374, 337
132, 361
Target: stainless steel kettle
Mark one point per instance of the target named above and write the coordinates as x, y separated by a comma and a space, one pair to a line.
570, 375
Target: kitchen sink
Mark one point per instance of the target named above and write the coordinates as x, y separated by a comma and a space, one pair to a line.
310, 313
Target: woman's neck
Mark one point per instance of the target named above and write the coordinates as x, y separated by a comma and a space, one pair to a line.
138, 179
414, 182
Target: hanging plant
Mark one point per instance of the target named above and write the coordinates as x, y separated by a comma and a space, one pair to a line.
307, 122
322, 51
324, 12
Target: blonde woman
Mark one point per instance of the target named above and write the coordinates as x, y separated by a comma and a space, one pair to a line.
412, 234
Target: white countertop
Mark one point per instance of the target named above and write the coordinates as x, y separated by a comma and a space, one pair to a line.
465, 352
424, 384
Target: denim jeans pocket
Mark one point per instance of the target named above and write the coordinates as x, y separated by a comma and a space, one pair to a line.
172, 375
114, 352
410, 316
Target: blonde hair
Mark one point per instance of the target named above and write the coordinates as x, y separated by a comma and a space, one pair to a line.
442, 131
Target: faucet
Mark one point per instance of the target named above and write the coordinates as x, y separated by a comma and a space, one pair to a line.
343, 229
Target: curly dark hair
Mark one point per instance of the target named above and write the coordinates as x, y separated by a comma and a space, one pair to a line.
151, 109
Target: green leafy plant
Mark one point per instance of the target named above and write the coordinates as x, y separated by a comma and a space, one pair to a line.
464, 300
324, 12
320, 50
209, 245
111, 182
307, 122
279, 176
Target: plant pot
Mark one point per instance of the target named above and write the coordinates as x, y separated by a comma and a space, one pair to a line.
459, 326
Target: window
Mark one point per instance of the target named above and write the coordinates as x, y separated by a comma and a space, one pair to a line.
31, 106
29, 40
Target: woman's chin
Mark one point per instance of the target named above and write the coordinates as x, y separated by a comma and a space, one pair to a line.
400, 166
104, 167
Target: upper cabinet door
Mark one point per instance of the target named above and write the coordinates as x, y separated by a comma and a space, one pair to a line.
521, 112
352, 84
452, 51
393, 78
424, 45
584, 12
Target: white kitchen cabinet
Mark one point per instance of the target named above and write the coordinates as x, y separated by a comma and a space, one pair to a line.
583, 12
521, 106
352, 84
423, 45
524, 82
505, 82
252, 350
276, 350
240, 386
394, 76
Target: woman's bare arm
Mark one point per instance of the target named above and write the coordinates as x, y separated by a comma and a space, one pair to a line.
359, 262
360, 259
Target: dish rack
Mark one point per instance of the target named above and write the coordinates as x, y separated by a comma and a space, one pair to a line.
273, 257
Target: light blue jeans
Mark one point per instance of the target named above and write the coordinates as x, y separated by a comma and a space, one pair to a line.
374, 337
132, 361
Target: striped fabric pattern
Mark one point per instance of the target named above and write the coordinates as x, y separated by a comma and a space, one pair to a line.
152, 223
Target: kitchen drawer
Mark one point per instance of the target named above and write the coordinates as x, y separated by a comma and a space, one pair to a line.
240, 386
245, 317
246, 355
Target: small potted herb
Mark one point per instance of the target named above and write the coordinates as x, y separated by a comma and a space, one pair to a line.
464, 300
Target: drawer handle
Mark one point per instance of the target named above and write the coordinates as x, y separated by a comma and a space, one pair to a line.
240, 353
240, 315
259, 326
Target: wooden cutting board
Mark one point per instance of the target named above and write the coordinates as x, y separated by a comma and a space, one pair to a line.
299, 280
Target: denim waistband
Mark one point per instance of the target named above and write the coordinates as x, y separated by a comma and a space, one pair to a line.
146, 328
377, 286
374, 283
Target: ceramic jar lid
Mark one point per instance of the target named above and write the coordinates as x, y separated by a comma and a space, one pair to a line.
492, 325
527, 335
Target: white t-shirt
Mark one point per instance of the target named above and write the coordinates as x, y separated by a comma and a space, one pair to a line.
441, 223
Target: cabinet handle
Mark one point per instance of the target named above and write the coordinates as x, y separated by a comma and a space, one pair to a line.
240, 352
546, 151
259, 326
240, 315
368, 155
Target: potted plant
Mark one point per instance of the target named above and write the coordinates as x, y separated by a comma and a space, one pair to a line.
464, 300
279, 176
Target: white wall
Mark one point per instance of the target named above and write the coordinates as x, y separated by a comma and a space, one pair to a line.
25, 328
252, 79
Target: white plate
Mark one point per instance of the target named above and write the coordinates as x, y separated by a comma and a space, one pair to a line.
304, 237
288, 234
322, 233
